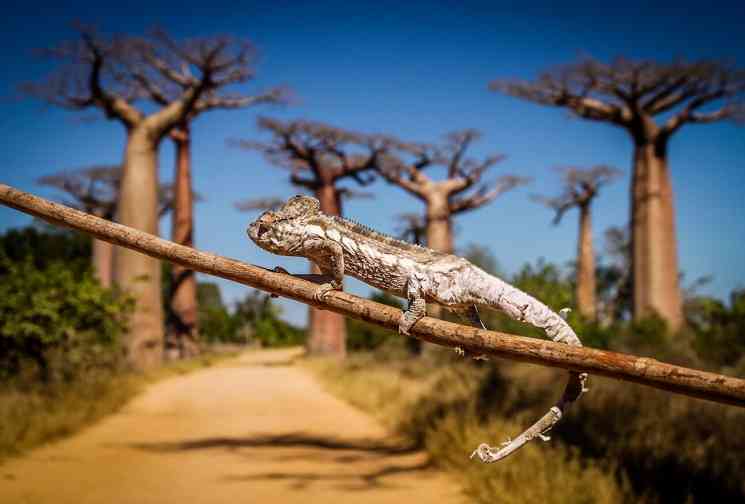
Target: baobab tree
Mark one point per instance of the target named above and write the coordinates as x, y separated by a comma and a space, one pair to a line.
182, 78
412, 227
631, 95
319, 157
94, 190
580, 189
461, 190
184, 308
614, 276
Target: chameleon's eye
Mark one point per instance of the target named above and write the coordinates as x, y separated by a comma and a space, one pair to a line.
262, 229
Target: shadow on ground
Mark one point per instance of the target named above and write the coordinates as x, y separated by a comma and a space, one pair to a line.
357, 464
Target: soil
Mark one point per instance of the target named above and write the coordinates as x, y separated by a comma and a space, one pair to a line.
252, 430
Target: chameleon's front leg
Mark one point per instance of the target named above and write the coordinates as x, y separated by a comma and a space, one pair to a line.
330, 261
310, 277
417, 307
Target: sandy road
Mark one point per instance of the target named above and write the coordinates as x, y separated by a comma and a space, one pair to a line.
253, 430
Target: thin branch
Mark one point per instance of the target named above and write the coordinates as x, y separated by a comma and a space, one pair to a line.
485, 194
580, 187
642, 370
252, 205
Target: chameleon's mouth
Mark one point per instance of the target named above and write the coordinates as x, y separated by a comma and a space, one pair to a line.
261, 229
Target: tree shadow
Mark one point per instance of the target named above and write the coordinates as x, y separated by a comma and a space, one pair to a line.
357, 481
389, 458
293, 440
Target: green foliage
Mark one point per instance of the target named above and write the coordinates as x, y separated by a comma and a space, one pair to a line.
61, 321
217, 325
259, 316
364, 336
719, 329
256, 319
209, 295
45, 244
54, 316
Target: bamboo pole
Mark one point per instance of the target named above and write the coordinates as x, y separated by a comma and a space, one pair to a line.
642, 370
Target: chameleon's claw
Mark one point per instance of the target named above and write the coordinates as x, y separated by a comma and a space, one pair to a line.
404, 325
460, 351
323, 289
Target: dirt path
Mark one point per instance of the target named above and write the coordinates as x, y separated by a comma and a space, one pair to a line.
253, 430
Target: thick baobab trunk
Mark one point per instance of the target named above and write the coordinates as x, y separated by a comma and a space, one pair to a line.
439, 234
135, 273
183, 323
439, 229
102, 259
327, 331
585, 292
655, 259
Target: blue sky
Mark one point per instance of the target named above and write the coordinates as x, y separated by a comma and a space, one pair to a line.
416, 70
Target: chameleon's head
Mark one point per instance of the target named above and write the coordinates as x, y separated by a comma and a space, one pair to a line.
281, 231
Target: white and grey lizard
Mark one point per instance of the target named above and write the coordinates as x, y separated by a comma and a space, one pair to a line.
420, 275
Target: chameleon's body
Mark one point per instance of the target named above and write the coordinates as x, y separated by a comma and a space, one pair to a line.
420, 275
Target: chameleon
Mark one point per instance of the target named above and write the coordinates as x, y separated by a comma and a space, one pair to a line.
417, 274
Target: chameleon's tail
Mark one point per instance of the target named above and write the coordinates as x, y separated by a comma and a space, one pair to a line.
523, 307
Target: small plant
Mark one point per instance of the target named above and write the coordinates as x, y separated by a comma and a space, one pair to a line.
60, 321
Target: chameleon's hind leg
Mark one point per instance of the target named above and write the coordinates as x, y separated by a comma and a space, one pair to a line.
417, 308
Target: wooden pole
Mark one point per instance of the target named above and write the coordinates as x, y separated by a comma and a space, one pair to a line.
642, 370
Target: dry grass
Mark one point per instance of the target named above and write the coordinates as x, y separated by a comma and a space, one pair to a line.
31, 415
435, 406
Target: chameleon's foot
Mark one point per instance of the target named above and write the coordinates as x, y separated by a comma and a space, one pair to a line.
405, 323
279, 269
463, 353
323, 289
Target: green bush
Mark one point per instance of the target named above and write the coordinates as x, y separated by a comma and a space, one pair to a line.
255, 319
719, 329
60, 320
44, 244
363, 336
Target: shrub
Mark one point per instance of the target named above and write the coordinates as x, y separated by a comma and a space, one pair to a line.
363, 336
60, 320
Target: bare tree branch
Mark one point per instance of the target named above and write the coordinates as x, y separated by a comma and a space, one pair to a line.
252, 205
183, 78
624, 89
95, 189
486, 193
317, 153
580, 187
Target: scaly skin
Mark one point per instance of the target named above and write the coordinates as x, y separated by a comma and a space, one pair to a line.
420, 275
